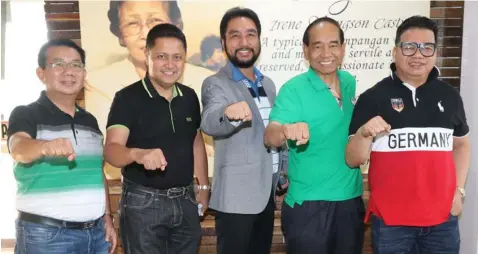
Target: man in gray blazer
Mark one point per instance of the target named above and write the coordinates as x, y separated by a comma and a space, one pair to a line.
236, 105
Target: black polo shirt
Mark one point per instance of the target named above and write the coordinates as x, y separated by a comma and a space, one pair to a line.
155, 122
412, 171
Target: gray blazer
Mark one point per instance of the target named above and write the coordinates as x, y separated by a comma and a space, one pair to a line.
243, 176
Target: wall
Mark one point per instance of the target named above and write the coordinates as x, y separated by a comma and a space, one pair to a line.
25, 33
469, 91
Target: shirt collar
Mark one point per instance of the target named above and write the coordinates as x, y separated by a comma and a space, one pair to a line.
237, 75
434, 73
152, 93
46, 102
319, 84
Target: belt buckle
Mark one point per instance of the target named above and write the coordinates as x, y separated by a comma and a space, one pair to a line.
175, 192
89, 224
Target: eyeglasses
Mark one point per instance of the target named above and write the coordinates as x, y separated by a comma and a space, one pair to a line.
59, 65
134, 27
427, 49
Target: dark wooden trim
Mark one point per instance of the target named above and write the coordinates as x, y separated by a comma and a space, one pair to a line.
61, 7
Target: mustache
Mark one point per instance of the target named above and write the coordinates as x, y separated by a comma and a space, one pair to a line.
237, 50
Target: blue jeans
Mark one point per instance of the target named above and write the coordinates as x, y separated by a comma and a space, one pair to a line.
33, 238
154, 223
440, 239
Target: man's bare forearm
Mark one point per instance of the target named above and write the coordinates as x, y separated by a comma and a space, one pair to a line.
118, 155
200, 160
357, 150
273, 135
461, 156
26, 150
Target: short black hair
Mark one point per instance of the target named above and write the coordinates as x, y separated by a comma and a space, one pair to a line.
42, 56
113, 14
238, 12
416, 21
208, 45
165, 30
306, 39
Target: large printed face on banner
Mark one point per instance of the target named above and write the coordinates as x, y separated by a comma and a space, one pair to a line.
135, 19
113, 35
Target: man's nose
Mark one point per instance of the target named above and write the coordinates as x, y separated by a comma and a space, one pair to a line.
326, 52
169, 63
243, 41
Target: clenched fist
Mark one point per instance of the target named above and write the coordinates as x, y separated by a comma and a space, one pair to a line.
238, 111
60, 147
151, 159
374, 127
296, 132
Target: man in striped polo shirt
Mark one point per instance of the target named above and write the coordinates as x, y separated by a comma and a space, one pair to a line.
415, 126
62, 195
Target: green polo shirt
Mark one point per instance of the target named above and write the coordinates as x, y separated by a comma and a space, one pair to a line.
317, 170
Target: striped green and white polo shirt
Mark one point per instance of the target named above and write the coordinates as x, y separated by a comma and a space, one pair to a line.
56, 187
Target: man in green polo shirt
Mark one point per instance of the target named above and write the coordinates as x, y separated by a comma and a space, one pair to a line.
323, 210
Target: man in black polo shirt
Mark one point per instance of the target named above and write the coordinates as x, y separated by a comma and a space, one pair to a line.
416, 128
152, 134
62, 195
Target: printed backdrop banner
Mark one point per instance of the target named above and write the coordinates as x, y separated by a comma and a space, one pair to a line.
113, 35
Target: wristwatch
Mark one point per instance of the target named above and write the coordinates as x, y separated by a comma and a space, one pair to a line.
203, 187
461, 191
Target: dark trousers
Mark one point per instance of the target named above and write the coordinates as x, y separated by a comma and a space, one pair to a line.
154, 223
440, 239
324, 227
245, 233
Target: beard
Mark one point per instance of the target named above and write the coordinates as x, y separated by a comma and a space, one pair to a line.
243, 63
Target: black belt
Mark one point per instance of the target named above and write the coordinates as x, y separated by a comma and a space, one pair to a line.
173, 192
33, 218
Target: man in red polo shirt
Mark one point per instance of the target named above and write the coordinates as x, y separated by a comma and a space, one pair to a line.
414, 127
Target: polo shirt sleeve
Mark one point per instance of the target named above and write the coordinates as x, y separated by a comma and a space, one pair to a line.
460, 126
21, 120
287, 106
120, 114
364, 110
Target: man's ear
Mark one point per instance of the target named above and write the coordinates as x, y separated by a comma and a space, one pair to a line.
305, 48
394, 53
41, 74
146, 57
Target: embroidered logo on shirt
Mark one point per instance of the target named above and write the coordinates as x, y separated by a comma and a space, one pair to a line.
397, 104
440, 107
188, 119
